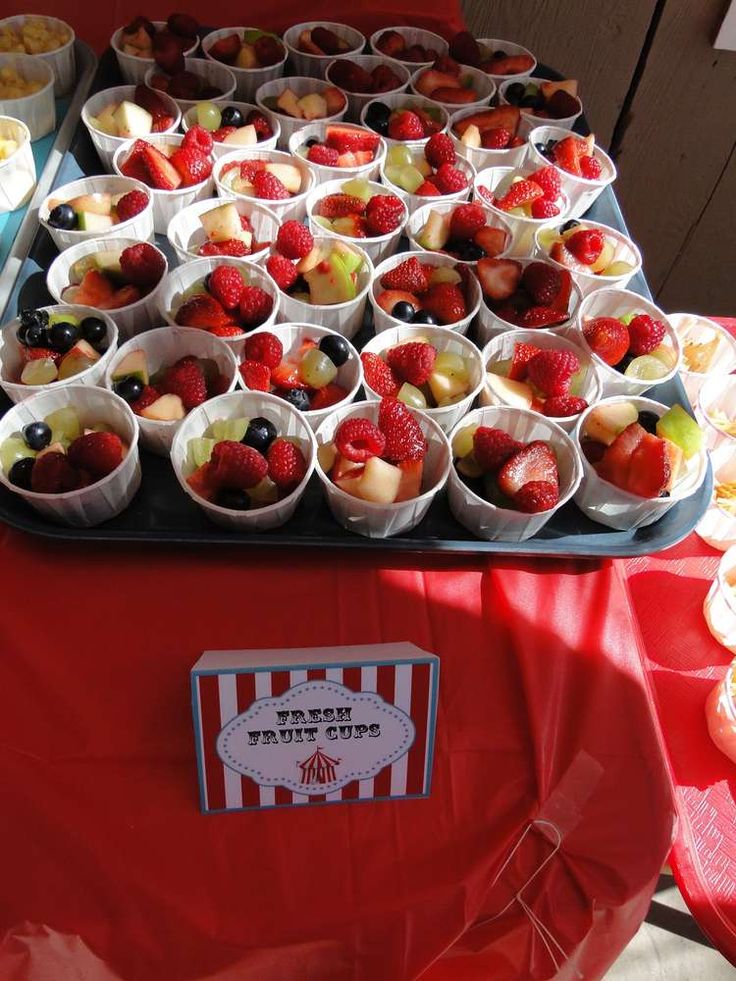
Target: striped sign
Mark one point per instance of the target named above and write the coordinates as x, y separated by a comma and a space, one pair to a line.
237, 708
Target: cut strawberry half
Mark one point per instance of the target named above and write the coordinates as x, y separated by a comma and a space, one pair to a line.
162, 175
523, 353
535, 461
567, 155
521, 193
499, 278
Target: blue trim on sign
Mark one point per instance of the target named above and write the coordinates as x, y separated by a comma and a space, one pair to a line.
309, 667
197, 717
320, 803
432, 725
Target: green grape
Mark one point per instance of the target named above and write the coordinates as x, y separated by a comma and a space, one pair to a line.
618, 268
324, 222
193, 290
220, 429
462, 444
468, 466
547, 238
398, 156
72, 366
65, 425
264, 493
627, 318
359, 188
450, 364
412, 396
444, 274
410, 179
63, 318
393, 174
500, 367
14, 448
316, 369
450, 400
646, 368
666, 355
199, 452
577, 382
40, 372
531, 89
208, 116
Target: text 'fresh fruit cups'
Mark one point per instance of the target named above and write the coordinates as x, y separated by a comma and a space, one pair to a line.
241, 229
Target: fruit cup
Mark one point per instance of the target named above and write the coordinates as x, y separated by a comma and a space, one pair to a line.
129, 320
189, 119
318, 131
412, 36
717, 527
498, 390
719, 608
17, 171
187, 234
512, 50
358, 100
624, 250
415, 201
444, 341
495, 524
315, 65
405, 100
482, 84
140, 226
104, 499
374, 520
581, 191
480, 157
38, 110
132, 68
707, 350
717, 412
377, 247
419, 219
289, 423
617, 303
528, 120
285, 208
247, 80
61, 60
11, 361
210, 72
105, 144
609, 505
349, 375
163, 347
300, 87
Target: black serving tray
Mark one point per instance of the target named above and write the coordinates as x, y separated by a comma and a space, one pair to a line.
161, 512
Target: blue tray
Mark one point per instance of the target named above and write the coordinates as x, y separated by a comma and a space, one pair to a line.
162, 512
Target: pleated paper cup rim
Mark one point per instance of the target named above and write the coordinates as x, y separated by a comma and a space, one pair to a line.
274, 156
156, 140
701, 324
247, 206
481, 80
411, 34
592, 279
354, 37
415, 201
247, 73
14, 18
492, 158
38, 109
540, 134
319, 128
365, 274
116, 43
22, 136
95, 134
497, 174
419, 217
88, 185
372, 59
314, 85
207, 69
566, 122
320, 191
267, 144
492, 44
410, 101
576, 299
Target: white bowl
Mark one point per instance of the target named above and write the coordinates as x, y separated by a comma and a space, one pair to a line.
212, 72
220, 149
18, 171
415, 201
420, 216
406, 100
107, 145
186, 232
581, 191
624, 249
61, 60
289, 424
357, 100
491, 44
482, 83
139, 227
479, 156
412, 36
316, 65
692, 328
36, 111
300, 86
247, 80
286, 209
323, 172
132, 68
528, 121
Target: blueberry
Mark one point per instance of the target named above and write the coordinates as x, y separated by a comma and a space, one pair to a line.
470, 252
336, 348
515, 93
129, 389
541, 148
377, 116
94, 330
403, 310
29, 317
20, 473
232, 116
313, 142
531, 102
259, 434
63, 336
37, 435
648, 421
624, 363
568, 225
35, 336
207, 282
423, 317
498, 54
63, 216
297, 397
236, 500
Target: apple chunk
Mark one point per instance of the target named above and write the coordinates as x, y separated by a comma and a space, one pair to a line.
380, 481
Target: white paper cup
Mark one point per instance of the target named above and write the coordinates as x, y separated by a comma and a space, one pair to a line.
442, 339
186, 232
139, 227
383, 520
349, 374
502, 347
18, 171
130, 320
624, 250
494, 524
132, 68
294, 207
420, 216
479, 157
490, 44
581, 191
528, 120
163, 347
617, 303
344, 318
61, 60
377, 248
234, 405
383, 321
247, 80
189, 119
415, 201
104, 499
316, 65
324, 173
607, 504
358, 100
718, 395
522, 229
37, 111
300, 86
719, 608
180, 279
212, 72
691, 328
412, 36
11, 363
107, 145
717, 527
166, 204
405, 100
482, 83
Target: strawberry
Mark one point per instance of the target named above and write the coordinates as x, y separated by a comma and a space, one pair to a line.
590, 168
542, 282
263, 128
198, 139
378, 375
493, 447
499, 278
495, 139
286, 375
226, 49
523, 353
236, 466
440, 149
255, 306
53, 473
202, 310
544, 208
428, 190
359, 439
404, 437
268, 187
492, 240
409, 276
567, 155
347, 140
150, 101
148, 396
282, 271
255, 375
325, 156
231, 246
39, 354
608, 338
142, 264
412, 362
265, 348
221, 134
286, 464
226, 285
536, 317
563, 406
186, 379
465, 49
586, 245
549, 180
269, 50
536, 496
446, 302
521, 193
192, 165
163, 124
551, 371
294, 240
533, 462
405, 125
383, 214
97, 453
226, 330
340, 205
131, 204
161, 173
450, 179
466, 220
645, 334
327, 396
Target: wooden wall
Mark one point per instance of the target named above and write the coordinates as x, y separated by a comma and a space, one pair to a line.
653, 84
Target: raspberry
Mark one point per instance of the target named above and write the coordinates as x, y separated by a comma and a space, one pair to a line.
231, 246
325, 156
225, 330
142, 264
466, 220
226, 285
552, 370
294, 240
340, 205
409, 276
221, 134
265, 348
645, 334
412, 362
446, 302
39, 354
536, 496
404, 437
286, 464
379, 375
496, 139
549, 180
359, 439
590, 168
131, 204
148, 396
522, 192
544, 208
486, 193
162, 124
248, 169
98, 453
450, 179
255, 375
255, 306
493, 447
268, 187
261, 123
586, 245
427, 190
281, 270
383, 214
608, 338
542, 282
562, 406
192, 165
439, 150
53, 474
186, 379
198, 138
328, 395
235, 466
405, 125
